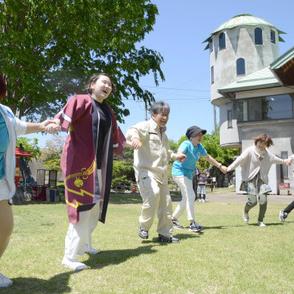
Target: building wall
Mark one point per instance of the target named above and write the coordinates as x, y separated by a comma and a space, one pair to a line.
240, 43
228, 136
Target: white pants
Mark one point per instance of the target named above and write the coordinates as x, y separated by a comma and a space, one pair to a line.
188, 197
79, 235
4, 190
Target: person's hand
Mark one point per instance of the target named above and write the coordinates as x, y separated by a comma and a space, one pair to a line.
288, 161
223, 169
136, 143
181, 156
51, 126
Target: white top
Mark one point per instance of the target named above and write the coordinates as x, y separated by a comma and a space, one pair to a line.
253, 161
15, 127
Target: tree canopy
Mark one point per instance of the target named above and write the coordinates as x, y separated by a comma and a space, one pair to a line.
48, 49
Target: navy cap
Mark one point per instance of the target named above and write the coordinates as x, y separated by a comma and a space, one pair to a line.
194, 131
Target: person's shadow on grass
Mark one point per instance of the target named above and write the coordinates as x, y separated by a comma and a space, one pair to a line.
57, 284
117, 256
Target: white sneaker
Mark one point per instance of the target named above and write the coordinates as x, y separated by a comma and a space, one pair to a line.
91, 250
282, 215
5, 282
246, 217
73, 265
261, 224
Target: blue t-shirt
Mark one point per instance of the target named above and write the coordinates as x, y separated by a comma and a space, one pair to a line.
193, 153
4, 140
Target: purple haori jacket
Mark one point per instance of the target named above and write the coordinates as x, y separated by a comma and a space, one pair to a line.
78, 161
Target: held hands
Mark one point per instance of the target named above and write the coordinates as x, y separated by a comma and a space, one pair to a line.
51, 126
223, 169
136, 143
288, 161
181, 157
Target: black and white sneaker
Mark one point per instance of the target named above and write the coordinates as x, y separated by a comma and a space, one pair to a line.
194, 227
143, 234
165, 239
283, 215
177, 224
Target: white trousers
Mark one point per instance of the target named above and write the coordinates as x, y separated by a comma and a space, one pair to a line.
188, 197
79, 235
4, 190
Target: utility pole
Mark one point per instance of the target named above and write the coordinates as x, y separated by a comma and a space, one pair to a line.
146, 110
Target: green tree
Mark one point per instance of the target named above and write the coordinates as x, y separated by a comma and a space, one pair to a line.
123, 173
29, 145
51, 154
49, 48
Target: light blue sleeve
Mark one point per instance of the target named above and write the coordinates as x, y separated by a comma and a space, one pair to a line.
202, 150
183, 147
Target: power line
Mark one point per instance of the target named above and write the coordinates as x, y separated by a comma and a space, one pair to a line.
175, 89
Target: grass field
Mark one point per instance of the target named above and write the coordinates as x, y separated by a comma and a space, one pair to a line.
229, 257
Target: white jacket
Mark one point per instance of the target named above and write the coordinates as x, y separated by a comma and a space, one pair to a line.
252, 162
15, 127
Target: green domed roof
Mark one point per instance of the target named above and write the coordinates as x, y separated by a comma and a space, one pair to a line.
243, 20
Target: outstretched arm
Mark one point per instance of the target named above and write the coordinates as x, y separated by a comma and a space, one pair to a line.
214, 162
49, 126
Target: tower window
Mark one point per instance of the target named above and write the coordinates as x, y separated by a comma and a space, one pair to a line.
212, 74
284, 168
258, 36
240, 66
222, 41
230, 119
273, 37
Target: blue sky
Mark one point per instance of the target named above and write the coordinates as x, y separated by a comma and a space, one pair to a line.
180, 29
178, 34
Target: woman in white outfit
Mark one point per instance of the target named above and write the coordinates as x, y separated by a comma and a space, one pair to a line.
256, 162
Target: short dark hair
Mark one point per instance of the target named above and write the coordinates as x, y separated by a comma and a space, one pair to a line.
159, 107
264, 138
95, 77
2, 86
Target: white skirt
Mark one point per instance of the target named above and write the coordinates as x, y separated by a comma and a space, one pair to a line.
4, 191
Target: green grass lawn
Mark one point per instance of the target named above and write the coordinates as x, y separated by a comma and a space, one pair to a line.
229, 257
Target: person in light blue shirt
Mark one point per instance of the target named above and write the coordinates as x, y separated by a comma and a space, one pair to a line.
183, 172
10, 127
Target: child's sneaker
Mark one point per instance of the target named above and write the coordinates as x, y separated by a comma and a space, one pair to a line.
246, 217
4, 281
194, 227
283, 215
73, 264
261, 224
90, 250
177, 224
